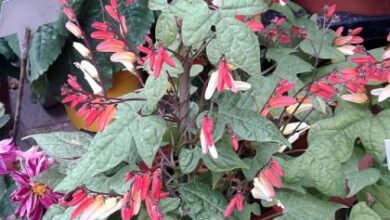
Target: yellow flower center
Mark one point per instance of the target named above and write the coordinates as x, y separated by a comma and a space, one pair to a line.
38, 189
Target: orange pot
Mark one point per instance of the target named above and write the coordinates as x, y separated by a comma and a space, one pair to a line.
123, 82
361, 7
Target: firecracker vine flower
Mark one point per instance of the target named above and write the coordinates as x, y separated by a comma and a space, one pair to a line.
235, 202
222, 79
206, 137
156, 59
268, 177
92, 107
143, 189
278, 99
347, 44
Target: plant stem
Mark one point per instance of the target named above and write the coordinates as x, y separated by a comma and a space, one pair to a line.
22, 78
184, 93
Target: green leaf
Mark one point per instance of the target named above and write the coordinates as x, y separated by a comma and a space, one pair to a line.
150, 134
50, 177
158, 4
7, 207
358, 179
362, 212
201, 202
213, 52
305, 206
323, 47
115, 144
139, 20
285, 10
239, 44
195, 70
290, 65
166, 29
45, 47
189, 159
321, 167
5, 49
339, 133
53, 211
264, 152
63, 144
379, 198
4, 118
240, 112
250, 209
169, 204
154, 90
227, 160
243, 7
197, 23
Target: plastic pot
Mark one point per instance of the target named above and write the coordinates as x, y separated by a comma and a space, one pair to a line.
123, 82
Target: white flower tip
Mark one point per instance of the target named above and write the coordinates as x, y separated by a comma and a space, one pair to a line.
377, 92
211, 86
90, 69
242, 86
213, 152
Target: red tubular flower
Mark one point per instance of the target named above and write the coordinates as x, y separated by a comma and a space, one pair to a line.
156, 184
112, 12
330, 11
78, 196
284, 86
284, 39
276, 168
224, 79
100, 26
112, 45
73, 82
102, 35
160, 58
281, 101
234, 142
339, 31
236, 201
252, 24
123, 26
206, 137
145, 185
153, 210
106, 117
356, 31
272, 178
363, 60
255, 26
127, 206
114, 4
229, 209
82, 206
132, 199
69, 13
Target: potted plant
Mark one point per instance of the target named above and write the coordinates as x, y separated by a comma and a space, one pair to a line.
217, 129
369, 8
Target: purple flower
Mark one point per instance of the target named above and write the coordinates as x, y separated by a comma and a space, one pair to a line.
7, 155
32, 197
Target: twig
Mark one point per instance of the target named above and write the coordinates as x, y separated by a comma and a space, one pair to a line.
22, 77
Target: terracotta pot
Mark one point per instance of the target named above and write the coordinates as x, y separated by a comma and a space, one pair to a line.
361, 7
123, 82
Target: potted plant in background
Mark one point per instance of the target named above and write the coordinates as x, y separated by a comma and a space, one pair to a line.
213, 131
369, 8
